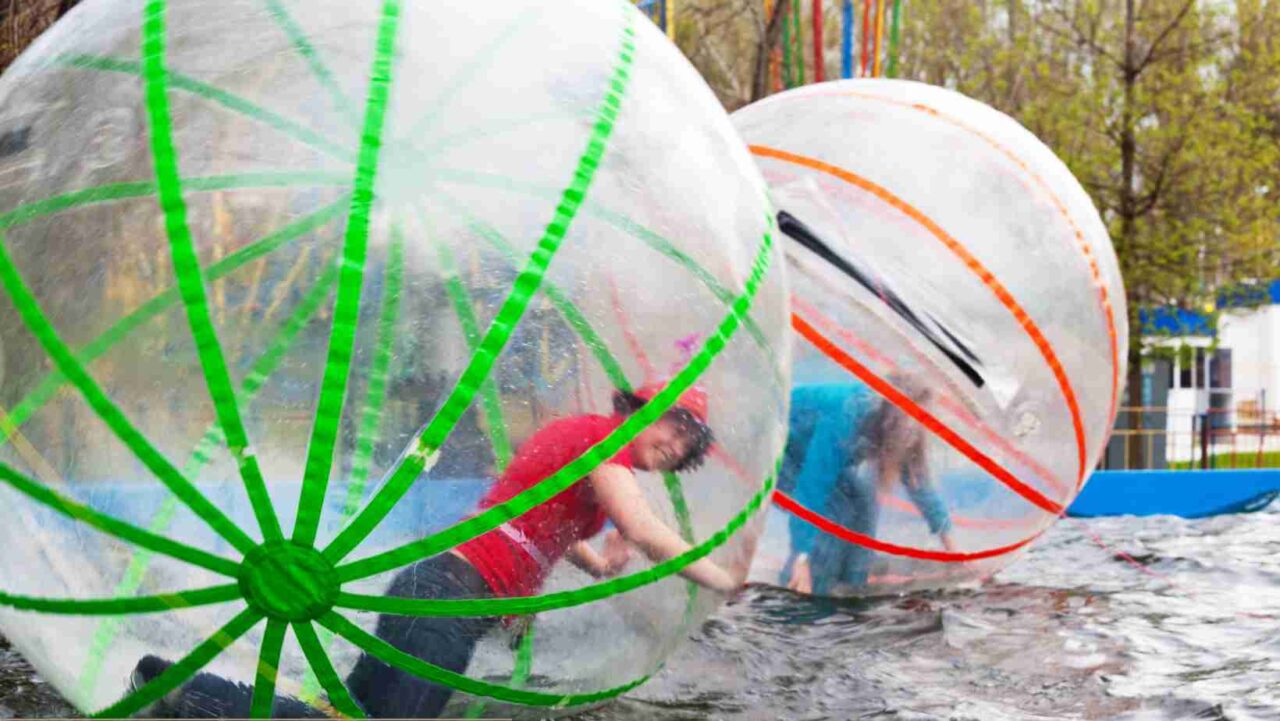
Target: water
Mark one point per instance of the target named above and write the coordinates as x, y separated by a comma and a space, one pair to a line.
1070, 632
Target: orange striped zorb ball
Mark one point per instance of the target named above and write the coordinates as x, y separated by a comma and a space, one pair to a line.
284, 285
960, 314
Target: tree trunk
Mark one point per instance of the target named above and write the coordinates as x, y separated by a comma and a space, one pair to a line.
1138, 448
1011, 68
1128, 211
772, 34
819, 59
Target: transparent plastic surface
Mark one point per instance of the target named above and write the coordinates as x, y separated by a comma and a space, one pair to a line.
327, 265
961, 333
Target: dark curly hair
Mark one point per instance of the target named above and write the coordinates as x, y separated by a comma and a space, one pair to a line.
698, 433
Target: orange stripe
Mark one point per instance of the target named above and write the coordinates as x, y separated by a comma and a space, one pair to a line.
632, 342
978, 524
718, 452
831, 328
928, 420
1104, 294
995, 286
961, 413
790, 505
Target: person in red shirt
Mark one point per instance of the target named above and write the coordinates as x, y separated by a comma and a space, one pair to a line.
512, 560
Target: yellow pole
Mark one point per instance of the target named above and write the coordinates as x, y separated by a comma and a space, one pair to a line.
671, 19
875, 63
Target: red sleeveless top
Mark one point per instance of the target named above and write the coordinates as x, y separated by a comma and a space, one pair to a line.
515, 558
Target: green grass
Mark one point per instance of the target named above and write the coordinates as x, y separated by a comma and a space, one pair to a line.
1238, 459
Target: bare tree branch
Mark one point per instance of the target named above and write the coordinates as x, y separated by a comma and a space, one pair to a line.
1078, 37
1164, 35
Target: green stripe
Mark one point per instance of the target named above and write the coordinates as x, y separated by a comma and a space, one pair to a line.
675, 491
257, 376
515, 606
471, 331
346, 314
484, 130
110, 414
339, 697
178, 81
264, 685
390, 655
519, 675
188, 666
504, 324
315, 64
636, 230
374, 401
122, 191
559, 299
464, 76
612, 369
524, 658
124, 531
186, 268
375, 396
49, 385
121, 606
580, 467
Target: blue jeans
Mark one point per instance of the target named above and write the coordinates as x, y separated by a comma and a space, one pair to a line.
853, 504
836, 562
382, 690
387, 692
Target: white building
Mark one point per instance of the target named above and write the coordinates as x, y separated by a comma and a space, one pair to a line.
1253, 337
1231, 376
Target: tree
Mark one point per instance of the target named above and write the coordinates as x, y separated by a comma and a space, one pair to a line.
1166, 110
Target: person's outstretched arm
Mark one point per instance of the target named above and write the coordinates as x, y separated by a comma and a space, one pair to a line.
622, 500
925, 496
604, 564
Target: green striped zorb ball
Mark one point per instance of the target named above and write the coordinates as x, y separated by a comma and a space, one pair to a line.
285, 284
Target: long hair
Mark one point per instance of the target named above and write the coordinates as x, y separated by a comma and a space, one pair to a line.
695, 431
888, 426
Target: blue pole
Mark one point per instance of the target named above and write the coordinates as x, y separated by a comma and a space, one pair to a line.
846, 41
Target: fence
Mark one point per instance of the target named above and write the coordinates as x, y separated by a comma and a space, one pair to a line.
1178, 438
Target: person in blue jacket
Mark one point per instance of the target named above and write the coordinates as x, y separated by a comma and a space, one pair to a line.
845, 444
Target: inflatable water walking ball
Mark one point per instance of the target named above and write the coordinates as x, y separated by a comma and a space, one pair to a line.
286, 283
961, 333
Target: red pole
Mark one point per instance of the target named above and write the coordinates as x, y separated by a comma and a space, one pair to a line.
818, 69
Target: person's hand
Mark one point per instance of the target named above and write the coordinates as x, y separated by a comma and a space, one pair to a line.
617, 553
948, 543
516, 629
801, 577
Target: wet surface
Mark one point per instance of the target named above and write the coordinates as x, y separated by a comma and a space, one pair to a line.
23, 693
1187, 628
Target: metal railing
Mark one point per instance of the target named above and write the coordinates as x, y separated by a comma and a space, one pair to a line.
1179, 438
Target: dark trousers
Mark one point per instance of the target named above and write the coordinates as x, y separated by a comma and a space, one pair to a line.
384, 691
838, 565
387, 692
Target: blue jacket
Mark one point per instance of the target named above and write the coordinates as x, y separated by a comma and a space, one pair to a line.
825, 418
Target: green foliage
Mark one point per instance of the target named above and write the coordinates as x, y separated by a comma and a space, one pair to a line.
1169, 120
1169, 117
1237, 459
